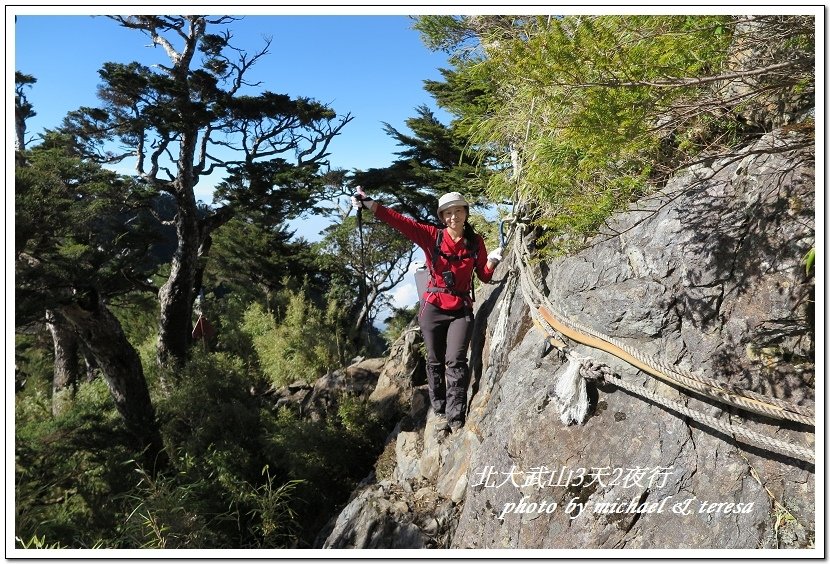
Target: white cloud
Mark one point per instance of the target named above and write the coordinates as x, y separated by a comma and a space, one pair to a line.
405, 295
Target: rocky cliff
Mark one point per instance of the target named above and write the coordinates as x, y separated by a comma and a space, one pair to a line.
706, 275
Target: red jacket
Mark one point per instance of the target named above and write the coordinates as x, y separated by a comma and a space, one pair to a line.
425, 236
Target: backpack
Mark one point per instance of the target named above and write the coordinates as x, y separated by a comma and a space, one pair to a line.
424, 275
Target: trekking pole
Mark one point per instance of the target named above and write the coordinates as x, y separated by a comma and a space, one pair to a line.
364, 290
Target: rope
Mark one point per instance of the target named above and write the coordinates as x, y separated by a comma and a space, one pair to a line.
726, 428
556, 329
652, 366
595, 371
751, 401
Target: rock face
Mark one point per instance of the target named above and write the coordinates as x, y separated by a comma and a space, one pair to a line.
706, 275
318, 400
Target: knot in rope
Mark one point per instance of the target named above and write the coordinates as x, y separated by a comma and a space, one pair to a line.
593, 371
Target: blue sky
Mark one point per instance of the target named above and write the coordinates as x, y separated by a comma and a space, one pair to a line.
372, 66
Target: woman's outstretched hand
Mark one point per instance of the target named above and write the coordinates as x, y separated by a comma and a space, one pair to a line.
495, 255
360, 200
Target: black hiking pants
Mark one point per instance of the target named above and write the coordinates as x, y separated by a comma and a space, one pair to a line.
447, 335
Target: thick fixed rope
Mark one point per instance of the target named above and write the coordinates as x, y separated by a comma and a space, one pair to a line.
554, 329
654, 368
595, 371
751, 401
726, 428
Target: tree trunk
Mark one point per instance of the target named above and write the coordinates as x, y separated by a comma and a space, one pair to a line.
19, 131
66, 371
177, 294
101, 333
363, 318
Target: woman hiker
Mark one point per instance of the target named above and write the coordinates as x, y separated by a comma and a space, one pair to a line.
446, 314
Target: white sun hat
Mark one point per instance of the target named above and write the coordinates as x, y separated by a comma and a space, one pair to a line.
449, 200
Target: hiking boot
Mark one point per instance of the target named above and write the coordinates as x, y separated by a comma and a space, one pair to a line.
455, 426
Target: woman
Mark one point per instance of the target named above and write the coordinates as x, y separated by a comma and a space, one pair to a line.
446, 315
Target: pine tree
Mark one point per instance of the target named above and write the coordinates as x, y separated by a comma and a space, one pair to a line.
181, 122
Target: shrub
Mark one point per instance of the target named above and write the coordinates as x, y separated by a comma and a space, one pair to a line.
299, 347
329, 457
69, 470
211, 409
219, 492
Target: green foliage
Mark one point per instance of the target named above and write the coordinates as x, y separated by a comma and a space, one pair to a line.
164, 514
210, 407
330, 457
397, 322
176, 511
363, 274
226, 314
358, 418
138, 314
261, 328
433, 160
809, 261
441, 32
275, 517
586, 130
587, 113
240, 474
489, 230
37, 543
77, 225
255, 476
69, 470
298, 347
33, 363
23, 109
218, 494
254, 260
